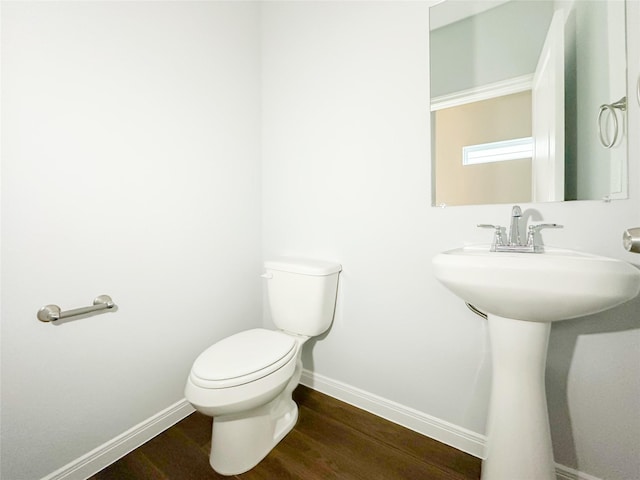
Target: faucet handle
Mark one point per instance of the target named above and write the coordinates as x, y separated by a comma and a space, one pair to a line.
498, 239
536, 228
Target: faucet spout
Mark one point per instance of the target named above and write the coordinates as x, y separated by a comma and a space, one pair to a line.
514, 230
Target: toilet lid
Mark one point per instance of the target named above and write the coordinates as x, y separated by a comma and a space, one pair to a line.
242, 358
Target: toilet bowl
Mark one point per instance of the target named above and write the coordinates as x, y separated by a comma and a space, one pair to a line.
245, 381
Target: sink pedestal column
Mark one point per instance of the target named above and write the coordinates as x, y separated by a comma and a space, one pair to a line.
518, 434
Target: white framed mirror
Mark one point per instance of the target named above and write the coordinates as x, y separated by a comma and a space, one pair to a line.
527, 101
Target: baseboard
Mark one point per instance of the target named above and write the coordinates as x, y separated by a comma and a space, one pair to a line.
566, 473
445, 432
116, 448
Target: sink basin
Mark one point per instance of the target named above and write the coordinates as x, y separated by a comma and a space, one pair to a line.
544, 287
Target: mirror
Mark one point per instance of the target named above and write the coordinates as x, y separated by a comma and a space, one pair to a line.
528, 101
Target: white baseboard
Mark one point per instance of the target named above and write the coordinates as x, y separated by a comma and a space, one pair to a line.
116, 448
445, 432
566, 473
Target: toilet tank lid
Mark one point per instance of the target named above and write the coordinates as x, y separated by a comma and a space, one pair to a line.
303, 266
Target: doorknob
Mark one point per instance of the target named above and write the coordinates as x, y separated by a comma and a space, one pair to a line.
631, 239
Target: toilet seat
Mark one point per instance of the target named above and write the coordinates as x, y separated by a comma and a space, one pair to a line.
242, 358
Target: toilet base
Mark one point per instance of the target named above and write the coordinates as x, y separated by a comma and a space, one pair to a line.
240, 442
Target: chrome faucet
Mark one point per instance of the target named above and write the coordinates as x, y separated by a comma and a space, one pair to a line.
514, 242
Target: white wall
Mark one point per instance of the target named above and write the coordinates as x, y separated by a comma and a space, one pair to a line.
130, 167
347, 177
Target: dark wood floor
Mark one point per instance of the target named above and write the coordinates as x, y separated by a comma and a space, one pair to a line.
332, 440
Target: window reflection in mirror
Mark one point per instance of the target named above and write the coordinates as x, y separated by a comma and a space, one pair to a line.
502, 71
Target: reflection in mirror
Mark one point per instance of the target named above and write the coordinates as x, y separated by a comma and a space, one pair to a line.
527, 101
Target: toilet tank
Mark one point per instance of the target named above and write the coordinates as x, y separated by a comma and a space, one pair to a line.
302, 294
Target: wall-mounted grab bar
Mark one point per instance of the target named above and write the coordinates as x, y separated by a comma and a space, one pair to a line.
51, 313
603, 133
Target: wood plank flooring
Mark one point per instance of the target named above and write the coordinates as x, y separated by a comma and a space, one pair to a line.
332, 440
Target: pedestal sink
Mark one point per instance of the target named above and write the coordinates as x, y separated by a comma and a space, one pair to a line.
522, 294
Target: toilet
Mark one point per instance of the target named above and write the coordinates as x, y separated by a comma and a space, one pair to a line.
245, 381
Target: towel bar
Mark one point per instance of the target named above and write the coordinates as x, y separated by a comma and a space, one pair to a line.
603, 134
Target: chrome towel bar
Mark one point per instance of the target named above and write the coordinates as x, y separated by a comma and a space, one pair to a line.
51, 313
